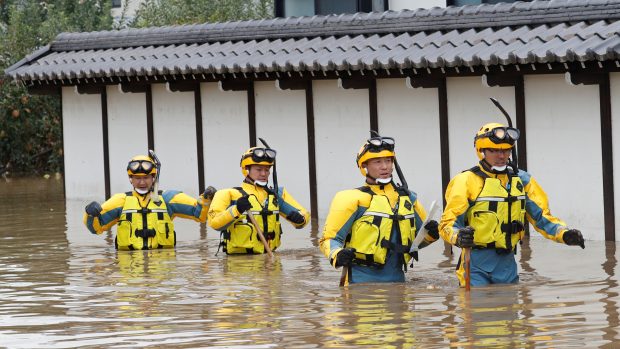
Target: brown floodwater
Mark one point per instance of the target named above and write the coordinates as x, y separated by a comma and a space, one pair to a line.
62, 287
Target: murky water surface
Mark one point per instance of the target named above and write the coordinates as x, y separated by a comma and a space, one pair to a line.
62, 287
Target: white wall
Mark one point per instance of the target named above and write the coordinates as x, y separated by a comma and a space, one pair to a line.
564, 149
411, 116
615, 124
342, 124
127, 133
397, 5
281, 122
469, 108
174, 133
225, 134
82, 145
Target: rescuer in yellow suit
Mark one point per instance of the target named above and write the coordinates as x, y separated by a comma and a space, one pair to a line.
371, 228
486, 208
144, 218
228, 209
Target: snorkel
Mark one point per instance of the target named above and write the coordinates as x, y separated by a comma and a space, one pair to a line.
514, 163
274, 173
156, 197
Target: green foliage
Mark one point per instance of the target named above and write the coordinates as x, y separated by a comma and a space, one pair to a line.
30, 126
30, 132
177, 12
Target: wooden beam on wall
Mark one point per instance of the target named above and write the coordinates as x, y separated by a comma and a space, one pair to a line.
90, 89
608, 158
252, 114
45, 90
372, 105
182, 86
135, 88
444, 136
314, 206
149, 118
199, 137
106, 142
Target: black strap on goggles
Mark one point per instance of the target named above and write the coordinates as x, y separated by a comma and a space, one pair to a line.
140, 166
377, 144
262, 154
501, 135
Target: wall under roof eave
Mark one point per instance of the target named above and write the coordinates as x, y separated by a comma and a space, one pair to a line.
174, 133
342, 124
411, 116
281, 122
83, 145
469, 108
564, 150
127, 131
615, 122
225, 134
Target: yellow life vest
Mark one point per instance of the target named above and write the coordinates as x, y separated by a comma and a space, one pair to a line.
241, 236
495, 211
144, 228
370, 234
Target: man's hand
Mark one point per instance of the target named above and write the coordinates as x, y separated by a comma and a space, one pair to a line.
209, 193
465, 238
243, 204
433, 229
573, 237
94, 209
296, 217
345, 257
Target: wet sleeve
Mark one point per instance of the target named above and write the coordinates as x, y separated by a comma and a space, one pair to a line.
288, 204
457, 204
537, 210
110, 213
344, 210
223, 210
182, 205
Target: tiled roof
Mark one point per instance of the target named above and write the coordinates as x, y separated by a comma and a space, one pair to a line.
469, 36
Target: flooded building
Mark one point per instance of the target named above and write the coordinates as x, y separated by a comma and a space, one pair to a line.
314, 86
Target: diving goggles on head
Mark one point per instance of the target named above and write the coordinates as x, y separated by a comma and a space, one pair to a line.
263, 154
377, 144
140, 166
501, 135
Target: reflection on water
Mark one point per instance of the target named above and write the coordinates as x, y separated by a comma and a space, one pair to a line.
65, 288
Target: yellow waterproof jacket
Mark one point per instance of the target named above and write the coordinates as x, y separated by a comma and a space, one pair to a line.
238, 233
350, 222
174, 204
462, 208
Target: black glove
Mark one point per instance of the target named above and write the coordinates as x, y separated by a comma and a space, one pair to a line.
465, 238
345, 257
573, 237
296, 217
433, 229
209, 193
93, 209
243, 204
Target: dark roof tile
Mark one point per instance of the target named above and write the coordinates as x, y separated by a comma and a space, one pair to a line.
505, 33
